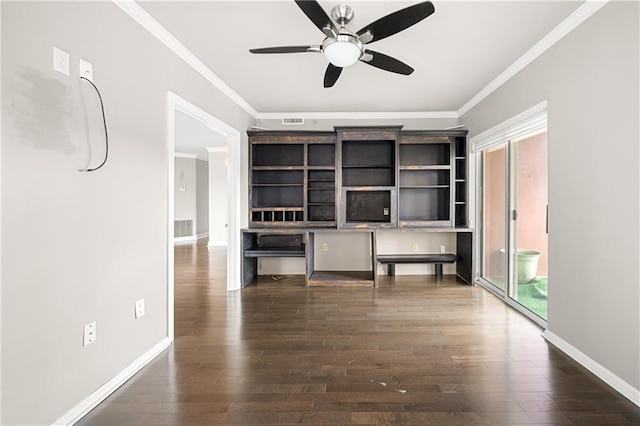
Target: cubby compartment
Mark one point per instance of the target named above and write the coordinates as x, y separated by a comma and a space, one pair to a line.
426, 154
424, 205
321, 155
424, 178
278, 155
368, 176
277, 196
461, 192
277, 177
322, 213
368, 153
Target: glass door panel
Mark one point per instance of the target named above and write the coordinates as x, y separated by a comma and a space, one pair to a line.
530, 198
494, 216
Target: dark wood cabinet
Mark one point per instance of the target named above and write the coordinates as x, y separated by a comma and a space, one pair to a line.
368, 177
292, 179
355, 178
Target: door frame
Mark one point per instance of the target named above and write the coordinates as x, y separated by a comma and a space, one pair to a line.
177, 103
527, 123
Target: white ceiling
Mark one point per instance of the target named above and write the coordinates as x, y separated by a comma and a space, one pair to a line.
456, 51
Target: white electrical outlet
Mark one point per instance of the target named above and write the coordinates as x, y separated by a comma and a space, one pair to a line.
90, 334
416, 247
443, 249
60, 61
325, 247
86, 70
139, 308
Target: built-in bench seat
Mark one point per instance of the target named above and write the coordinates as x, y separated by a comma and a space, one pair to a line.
438, 259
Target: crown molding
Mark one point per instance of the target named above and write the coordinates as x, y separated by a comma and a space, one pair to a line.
356, 115
216, 149
581, 14
185, 155
142, 17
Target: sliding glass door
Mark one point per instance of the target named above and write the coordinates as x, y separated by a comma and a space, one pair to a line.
494, 224
512, 218
529, 188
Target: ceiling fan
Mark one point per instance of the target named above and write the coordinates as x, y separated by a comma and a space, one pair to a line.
342, 47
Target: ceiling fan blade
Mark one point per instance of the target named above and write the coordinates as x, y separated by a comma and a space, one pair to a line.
316, 13
387, 63
331, 75
398, 21
286, 49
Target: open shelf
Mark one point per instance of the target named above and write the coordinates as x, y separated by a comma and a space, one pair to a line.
277, 155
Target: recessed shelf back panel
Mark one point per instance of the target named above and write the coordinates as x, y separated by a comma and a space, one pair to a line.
368, 177
424, 154
277, 196
262, 177
321, 155
368, 206
424, 204
368, 153
424, 177
278, 155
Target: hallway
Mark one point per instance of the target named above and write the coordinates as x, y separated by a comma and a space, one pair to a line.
413, 351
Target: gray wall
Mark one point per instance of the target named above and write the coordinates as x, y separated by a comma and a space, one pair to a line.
590, 81
202, 197
84, 246
185, 190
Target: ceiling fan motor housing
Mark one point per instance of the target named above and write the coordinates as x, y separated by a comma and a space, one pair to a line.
342, 14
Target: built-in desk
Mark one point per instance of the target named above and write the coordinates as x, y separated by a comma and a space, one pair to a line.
299, 242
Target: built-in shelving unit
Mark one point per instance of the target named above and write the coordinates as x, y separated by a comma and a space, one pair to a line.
358, 179
292, 179
425, 191
368, 174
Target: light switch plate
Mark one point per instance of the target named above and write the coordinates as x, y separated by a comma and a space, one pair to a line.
89, 334
139, 308
86, 70
60, 61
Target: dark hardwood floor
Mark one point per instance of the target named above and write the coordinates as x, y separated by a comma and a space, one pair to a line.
414, 351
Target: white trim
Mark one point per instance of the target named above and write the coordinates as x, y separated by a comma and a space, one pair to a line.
171, 146
92, 401
184, 155
216, 149
182, 240
233, 186
581, 14
201, 236
143, 18
527, 122
356, 115
602, 372
217, 244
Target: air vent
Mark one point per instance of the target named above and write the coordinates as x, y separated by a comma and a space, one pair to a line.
292, 121
183, 228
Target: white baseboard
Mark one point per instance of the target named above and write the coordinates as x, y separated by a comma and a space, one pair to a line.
201, 236
628, 391
217, 244
189, 239
89, 403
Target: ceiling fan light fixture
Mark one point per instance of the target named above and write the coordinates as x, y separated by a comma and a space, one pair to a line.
342, 51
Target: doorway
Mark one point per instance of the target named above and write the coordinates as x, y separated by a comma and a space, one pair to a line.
512, 189
232, 136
